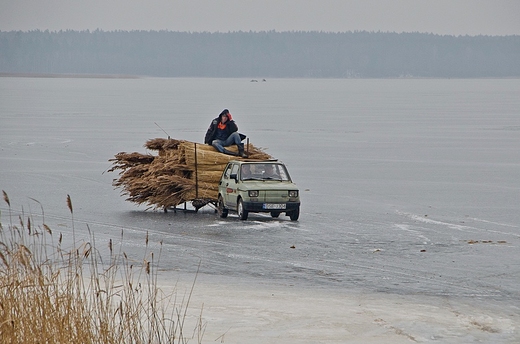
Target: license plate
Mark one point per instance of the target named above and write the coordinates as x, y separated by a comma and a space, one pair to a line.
274, 206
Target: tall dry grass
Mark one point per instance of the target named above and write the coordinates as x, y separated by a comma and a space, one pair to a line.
51, 294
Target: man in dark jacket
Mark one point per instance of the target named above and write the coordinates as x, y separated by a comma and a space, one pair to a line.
223, 132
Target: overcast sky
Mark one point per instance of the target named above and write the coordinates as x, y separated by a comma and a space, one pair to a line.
451, 17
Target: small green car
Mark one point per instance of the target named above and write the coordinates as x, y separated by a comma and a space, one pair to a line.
257, 186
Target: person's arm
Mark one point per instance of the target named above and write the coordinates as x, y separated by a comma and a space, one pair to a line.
232, 127
210, 133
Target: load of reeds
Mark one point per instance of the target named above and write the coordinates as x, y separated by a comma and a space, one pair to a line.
181, 172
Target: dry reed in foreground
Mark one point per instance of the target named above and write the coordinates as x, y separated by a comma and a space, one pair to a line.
49, 294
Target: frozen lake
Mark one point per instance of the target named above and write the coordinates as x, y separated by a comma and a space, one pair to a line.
410, 198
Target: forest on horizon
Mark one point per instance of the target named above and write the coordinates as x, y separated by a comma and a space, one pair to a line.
268, 54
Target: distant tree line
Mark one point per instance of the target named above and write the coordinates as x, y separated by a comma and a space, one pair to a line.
260, 54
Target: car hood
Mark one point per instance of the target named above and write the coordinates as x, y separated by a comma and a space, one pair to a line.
267, 185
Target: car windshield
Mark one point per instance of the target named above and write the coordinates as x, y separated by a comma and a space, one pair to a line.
264, 171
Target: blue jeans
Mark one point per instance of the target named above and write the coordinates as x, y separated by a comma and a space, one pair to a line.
233, 139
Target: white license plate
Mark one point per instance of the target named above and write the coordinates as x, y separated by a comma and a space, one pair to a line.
274, 206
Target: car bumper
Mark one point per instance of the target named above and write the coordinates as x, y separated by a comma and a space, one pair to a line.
258, 207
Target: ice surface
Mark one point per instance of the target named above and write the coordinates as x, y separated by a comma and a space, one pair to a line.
410, 222
237, 312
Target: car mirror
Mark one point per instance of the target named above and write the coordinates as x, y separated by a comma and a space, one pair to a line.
234, 176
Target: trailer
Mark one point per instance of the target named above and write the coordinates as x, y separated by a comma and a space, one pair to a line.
180, 172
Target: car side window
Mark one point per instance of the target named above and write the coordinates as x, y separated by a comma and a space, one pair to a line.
234, 169
228, 172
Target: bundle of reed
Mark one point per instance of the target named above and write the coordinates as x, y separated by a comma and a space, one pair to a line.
157, 191
162, 145
183, 171
208, 164
123, 160
208, 156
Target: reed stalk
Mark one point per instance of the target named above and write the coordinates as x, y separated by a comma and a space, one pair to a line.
49, 294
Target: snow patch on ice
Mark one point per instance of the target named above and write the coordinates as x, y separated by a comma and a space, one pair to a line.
217, 224
435, 222
417, 233
493, 223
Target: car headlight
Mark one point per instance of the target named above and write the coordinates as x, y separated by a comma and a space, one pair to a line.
293, 193
253, 193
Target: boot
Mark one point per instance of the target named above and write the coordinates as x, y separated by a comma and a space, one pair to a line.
241, 151
230, 152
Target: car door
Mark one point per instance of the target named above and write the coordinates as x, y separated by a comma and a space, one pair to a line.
231, 186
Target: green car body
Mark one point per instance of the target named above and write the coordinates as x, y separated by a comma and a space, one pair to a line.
258, 186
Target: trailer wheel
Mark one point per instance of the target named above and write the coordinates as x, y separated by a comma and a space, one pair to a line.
222, 211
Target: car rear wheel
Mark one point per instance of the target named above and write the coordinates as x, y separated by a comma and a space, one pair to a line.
222, 211
295, 214
242, 213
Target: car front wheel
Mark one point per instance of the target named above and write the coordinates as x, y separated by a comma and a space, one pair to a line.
222, 211
242, 213
295, 214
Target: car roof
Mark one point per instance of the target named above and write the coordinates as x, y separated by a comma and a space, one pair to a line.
255, 161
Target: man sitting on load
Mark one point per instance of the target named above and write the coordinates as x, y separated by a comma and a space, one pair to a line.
223, 132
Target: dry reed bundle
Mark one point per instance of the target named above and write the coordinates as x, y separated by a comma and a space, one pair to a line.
183, 171
207, 156
162, 145
205, 191
132, 173
168, 191
123, 160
